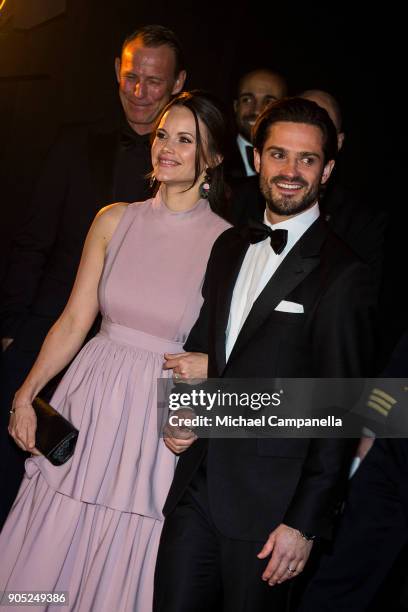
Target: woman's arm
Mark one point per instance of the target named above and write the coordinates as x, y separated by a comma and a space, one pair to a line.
66, 336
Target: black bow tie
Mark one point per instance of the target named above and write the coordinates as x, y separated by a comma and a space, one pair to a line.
250, 156
258, 231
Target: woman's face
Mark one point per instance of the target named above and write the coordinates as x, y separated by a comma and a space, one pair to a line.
174, 147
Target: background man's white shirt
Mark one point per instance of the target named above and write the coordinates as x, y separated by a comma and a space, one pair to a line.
242, 145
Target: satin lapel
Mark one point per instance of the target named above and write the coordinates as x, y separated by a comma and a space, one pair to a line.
227, 283
296, 266
102, 149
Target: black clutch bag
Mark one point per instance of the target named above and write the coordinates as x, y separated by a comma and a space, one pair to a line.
55, 437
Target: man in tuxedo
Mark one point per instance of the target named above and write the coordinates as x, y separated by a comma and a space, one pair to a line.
256, 89
86, 169
281, 299
359, 224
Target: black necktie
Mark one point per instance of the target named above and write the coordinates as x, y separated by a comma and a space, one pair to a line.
258, 231
250, 156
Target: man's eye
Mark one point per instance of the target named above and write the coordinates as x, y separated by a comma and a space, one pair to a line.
308, 161
268, 100
277, 155
246, 100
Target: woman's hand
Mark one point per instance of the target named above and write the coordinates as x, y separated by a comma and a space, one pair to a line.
177, 437
187, 365
23, 423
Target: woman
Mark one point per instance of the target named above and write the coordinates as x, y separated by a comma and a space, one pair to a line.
91, 527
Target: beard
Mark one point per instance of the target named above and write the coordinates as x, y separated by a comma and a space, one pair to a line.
286, 206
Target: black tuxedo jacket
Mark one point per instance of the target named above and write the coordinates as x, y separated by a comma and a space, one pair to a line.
253, 485
76, 181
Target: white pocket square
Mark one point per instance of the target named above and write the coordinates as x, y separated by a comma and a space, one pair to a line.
285, 306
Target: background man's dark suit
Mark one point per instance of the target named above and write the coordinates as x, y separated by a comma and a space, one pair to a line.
85, 170
234, 164
254, 485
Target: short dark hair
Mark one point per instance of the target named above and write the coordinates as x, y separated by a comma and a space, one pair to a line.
273, 73
331, 100
156, 36
297, 110
209, 110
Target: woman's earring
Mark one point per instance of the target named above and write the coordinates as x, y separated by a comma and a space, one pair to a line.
152, 181
205, 186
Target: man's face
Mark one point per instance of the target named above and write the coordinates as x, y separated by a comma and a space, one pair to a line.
146, 82
323, 100
291, 167
257, 90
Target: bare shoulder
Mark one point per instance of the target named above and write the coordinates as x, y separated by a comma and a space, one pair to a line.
112, 214
107, 220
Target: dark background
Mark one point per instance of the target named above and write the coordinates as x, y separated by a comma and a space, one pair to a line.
56, 67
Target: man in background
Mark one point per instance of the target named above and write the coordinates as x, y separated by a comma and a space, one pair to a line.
256, 89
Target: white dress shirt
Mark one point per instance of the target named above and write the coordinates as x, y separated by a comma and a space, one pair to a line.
259, 264
242, 145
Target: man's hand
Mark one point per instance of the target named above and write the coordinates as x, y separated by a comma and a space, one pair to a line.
177, 437
187, 365
5, 343
364, 446
289, 552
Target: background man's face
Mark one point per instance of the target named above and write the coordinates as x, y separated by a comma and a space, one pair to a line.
146, 77
323, 100
257, 90
291, 167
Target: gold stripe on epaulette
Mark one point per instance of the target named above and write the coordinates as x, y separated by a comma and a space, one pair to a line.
377, 408
380, 401
385, 396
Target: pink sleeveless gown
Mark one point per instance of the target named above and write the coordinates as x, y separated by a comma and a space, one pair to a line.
92, 526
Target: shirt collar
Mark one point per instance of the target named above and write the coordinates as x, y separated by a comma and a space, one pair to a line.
242, 144
296, 225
